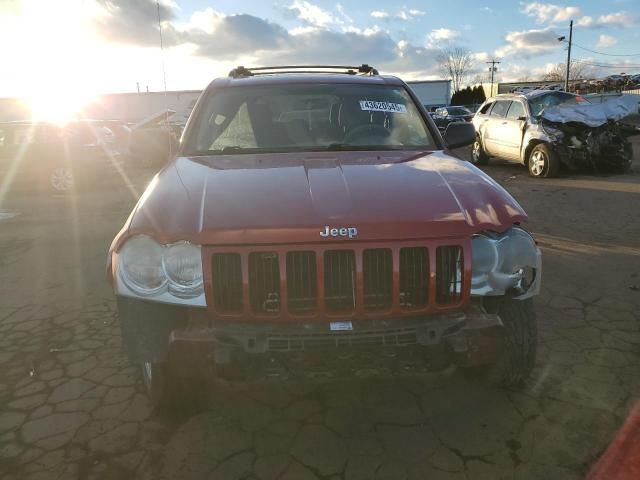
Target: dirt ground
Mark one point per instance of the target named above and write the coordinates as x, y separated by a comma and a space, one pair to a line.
72, 407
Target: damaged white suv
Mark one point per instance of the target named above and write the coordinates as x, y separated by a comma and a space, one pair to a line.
545, 129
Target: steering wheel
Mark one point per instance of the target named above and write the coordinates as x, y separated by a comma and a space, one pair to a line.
364, 131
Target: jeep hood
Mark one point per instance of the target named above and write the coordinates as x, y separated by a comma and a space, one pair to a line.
290, 198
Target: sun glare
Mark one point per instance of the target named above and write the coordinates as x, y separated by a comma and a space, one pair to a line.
52, 49
57, 108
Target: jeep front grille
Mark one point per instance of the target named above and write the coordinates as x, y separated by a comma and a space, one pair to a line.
264, 282
377, 267
448, 274
414, 277
337, 282
302, 282
227, 282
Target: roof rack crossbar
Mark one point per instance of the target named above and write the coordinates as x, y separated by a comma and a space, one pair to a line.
364, 69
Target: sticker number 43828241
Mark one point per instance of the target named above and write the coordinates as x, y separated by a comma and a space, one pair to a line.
370, 105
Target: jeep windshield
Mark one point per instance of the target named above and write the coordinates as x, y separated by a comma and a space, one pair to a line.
321, 117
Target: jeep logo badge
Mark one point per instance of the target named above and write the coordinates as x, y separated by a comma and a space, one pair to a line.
339, 232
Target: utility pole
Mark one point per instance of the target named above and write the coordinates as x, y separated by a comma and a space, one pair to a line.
566, 80
492, 69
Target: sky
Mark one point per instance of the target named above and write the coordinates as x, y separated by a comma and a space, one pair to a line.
68, 50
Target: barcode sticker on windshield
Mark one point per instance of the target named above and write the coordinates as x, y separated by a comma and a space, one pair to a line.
372, 106
340, 326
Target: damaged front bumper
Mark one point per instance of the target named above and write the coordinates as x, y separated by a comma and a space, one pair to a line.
254, 352
191, 343
580, 146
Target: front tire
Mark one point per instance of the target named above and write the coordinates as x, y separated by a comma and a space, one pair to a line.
478, 155
543, 162
515, 364
170, 394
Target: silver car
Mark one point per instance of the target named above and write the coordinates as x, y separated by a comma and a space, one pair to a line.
544, 129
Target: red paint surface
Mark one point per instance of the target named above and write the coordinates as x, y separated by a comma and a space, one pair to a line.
621, 460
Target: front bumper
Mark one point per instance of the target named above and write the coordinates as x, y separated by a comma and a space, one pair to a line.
192, 344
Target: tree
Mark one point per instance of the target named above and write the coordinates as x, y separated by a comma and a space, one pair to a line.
455, 63
558, 72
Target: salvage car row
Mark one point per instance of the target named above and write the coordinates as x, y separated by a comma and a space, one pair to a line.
77, 155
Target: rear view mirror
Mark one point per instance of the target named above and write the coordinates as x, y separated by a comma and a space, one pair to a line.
459, 134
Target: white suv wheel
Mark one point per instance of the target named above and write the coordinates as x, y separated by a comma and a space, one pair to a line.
538, 162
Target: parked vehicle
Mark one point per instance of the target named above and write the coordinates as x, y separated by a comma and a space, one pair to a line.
60, 158
275, 243
443, 116
547, 129
614, 80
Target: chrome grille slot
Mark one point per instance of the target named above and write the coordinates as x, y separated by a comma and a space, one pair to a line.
339, 280
264, 282
302, 282
378, 278
227, 282
449, 269
414, 277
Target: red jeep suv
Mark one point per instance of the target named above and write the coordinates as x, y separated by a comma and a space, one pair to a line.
313, 223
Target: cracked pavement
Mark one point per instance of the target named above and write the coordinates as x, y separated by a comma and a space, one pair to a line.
71, 406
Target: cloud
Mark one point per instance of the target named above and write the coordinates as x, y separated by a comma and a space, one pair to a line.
326, 37
403, 14
312, 14
135, 21
487, 9
441, 35
529, 43
606, 41
379, 14
617, 19
550, 13
226, 37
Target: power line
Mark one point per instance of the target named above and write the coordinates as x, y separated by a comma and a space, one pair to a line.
595, 63
607, 54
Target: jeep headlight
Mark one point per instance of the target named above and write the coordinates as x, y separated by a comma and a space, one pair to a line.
505, 263
164, 273
140, 265
182, 262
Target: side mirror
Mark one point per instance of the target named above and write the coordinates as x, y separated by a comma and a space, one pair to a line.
154, 146
459, 134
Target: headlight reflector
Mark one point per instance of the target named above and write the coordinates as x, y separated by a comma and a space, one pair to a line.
182, 262
140, 263
503, 263
485, 258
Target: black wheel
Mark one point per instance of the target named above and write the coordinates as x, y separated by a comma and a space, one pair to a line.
478, 155
521, 340
543, 162
173, 395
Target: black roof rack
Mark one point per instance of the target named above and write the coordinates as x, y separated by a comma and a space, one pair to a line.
364, 69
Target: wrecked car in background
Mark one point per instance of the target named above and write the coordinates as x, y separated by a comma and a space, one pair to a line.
547, 129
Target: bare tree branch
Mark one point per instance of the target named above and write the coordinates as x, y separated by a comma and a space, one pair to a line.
559, 71
455, 63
